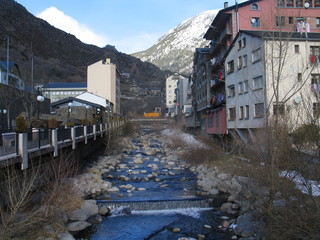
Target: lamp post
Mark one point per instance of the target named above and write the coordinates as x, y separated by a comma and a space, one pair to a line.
3, 112
87, 107
40, 99
98, 113
69, 111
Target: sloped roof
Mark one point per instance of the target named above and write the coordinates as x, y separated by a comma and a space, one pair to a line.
90, 97
71, 99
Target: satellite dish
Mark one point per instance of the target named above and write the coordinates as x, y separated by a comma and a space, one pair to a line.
253, 20
297, 100
306, 5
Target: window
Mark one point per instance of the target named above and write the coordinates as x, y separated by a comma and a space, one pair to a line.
239, 62
258, 110
255, 22
244, 42
231, 91
246, 112
318, 21
280, 3
210, 118
290, 20
241, 112
289, 3
316, 110
240, 87
315, 79
245, 60
245, 86
256, 55
257, 83
299, 77
232, 114
278, 108
299, 3
230, 67
239, 44
280, 21
296, 49
315, 50
254, 6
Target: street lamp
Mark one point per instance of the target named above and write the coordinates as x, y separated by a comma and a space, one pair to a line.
40, 99
87, 107
3, 112
98, 113
69, 110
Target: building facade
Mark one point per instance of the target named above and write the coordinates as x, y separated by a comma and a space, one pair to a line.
170, 97
274, 75
58, 91
103, 79
256, 15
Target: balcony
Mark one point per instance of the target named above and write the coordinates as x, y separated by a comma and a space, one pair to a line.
314, 59
216, 44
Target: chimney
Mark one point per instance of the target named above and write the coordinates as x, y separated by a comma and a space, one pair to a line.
225, 4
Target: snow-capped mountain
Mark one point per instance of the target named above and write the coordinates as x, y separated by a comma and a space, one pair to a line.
174, 51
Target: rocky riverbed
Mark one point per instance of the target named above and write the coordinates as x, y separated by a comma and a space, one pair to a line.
148, 168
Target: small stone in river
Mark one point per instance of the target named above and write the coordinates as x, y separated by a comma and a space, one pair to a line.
164, 185
207, 226
201, 237
176, 230
226, 224
224, 217
141, 189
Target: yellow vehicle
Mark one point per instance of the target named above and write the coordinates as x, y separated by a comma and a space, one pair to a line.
152, 115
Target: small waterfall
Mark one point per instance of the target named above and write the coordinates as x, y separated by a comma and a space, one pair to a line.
157, 204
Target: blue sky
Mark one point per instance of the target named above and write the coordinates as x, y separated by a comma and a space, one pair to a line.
129, 25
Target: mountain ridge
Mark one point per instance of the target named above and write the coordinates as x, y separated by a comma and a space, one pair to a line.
174, 51
59, 56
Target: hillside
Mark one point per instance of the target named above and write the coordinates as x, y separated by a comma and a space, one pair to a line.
174, 51
59, 56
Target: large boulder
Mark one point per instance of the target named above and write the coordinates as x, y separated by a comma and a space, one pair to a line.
77, 226
87, 209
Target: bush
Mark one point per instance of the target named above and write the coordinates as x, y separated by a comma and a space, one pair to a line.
21, 124
70, 124
128, 129
52, 123
85, 122
307, 133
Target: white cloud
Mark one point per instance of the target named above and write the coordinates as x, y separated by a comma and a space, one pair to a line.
68, 24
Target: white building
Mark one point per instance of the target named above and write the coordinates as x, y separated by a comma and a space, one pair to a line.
58, 91
184, 100
171, 85
269, 73
103, 79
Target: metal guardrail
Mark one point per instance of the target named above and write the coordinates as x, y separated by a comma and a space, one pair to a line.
40, 138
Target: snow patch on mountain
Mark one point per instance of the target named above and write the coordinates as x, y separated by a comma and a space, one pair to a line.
174, 51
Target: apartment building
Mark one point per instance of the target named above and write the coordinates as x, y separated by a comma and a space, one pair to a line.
274, 73
58, 91
171, 99
256, 15
103, 79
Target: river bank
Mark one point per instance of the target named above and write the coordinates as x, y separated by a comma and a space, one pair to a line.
144, 169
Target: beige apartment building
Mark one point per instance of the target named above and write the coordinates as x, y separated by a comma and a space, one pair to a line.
103, 79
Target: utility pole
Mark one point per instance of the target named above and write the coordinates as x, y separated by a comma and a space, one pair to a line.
7, 77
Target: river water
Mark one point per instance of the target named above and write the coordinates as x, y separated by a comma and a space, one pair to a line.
158, 200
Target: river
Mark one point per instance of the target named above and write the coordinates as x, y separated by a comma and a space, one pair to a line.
158, 198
